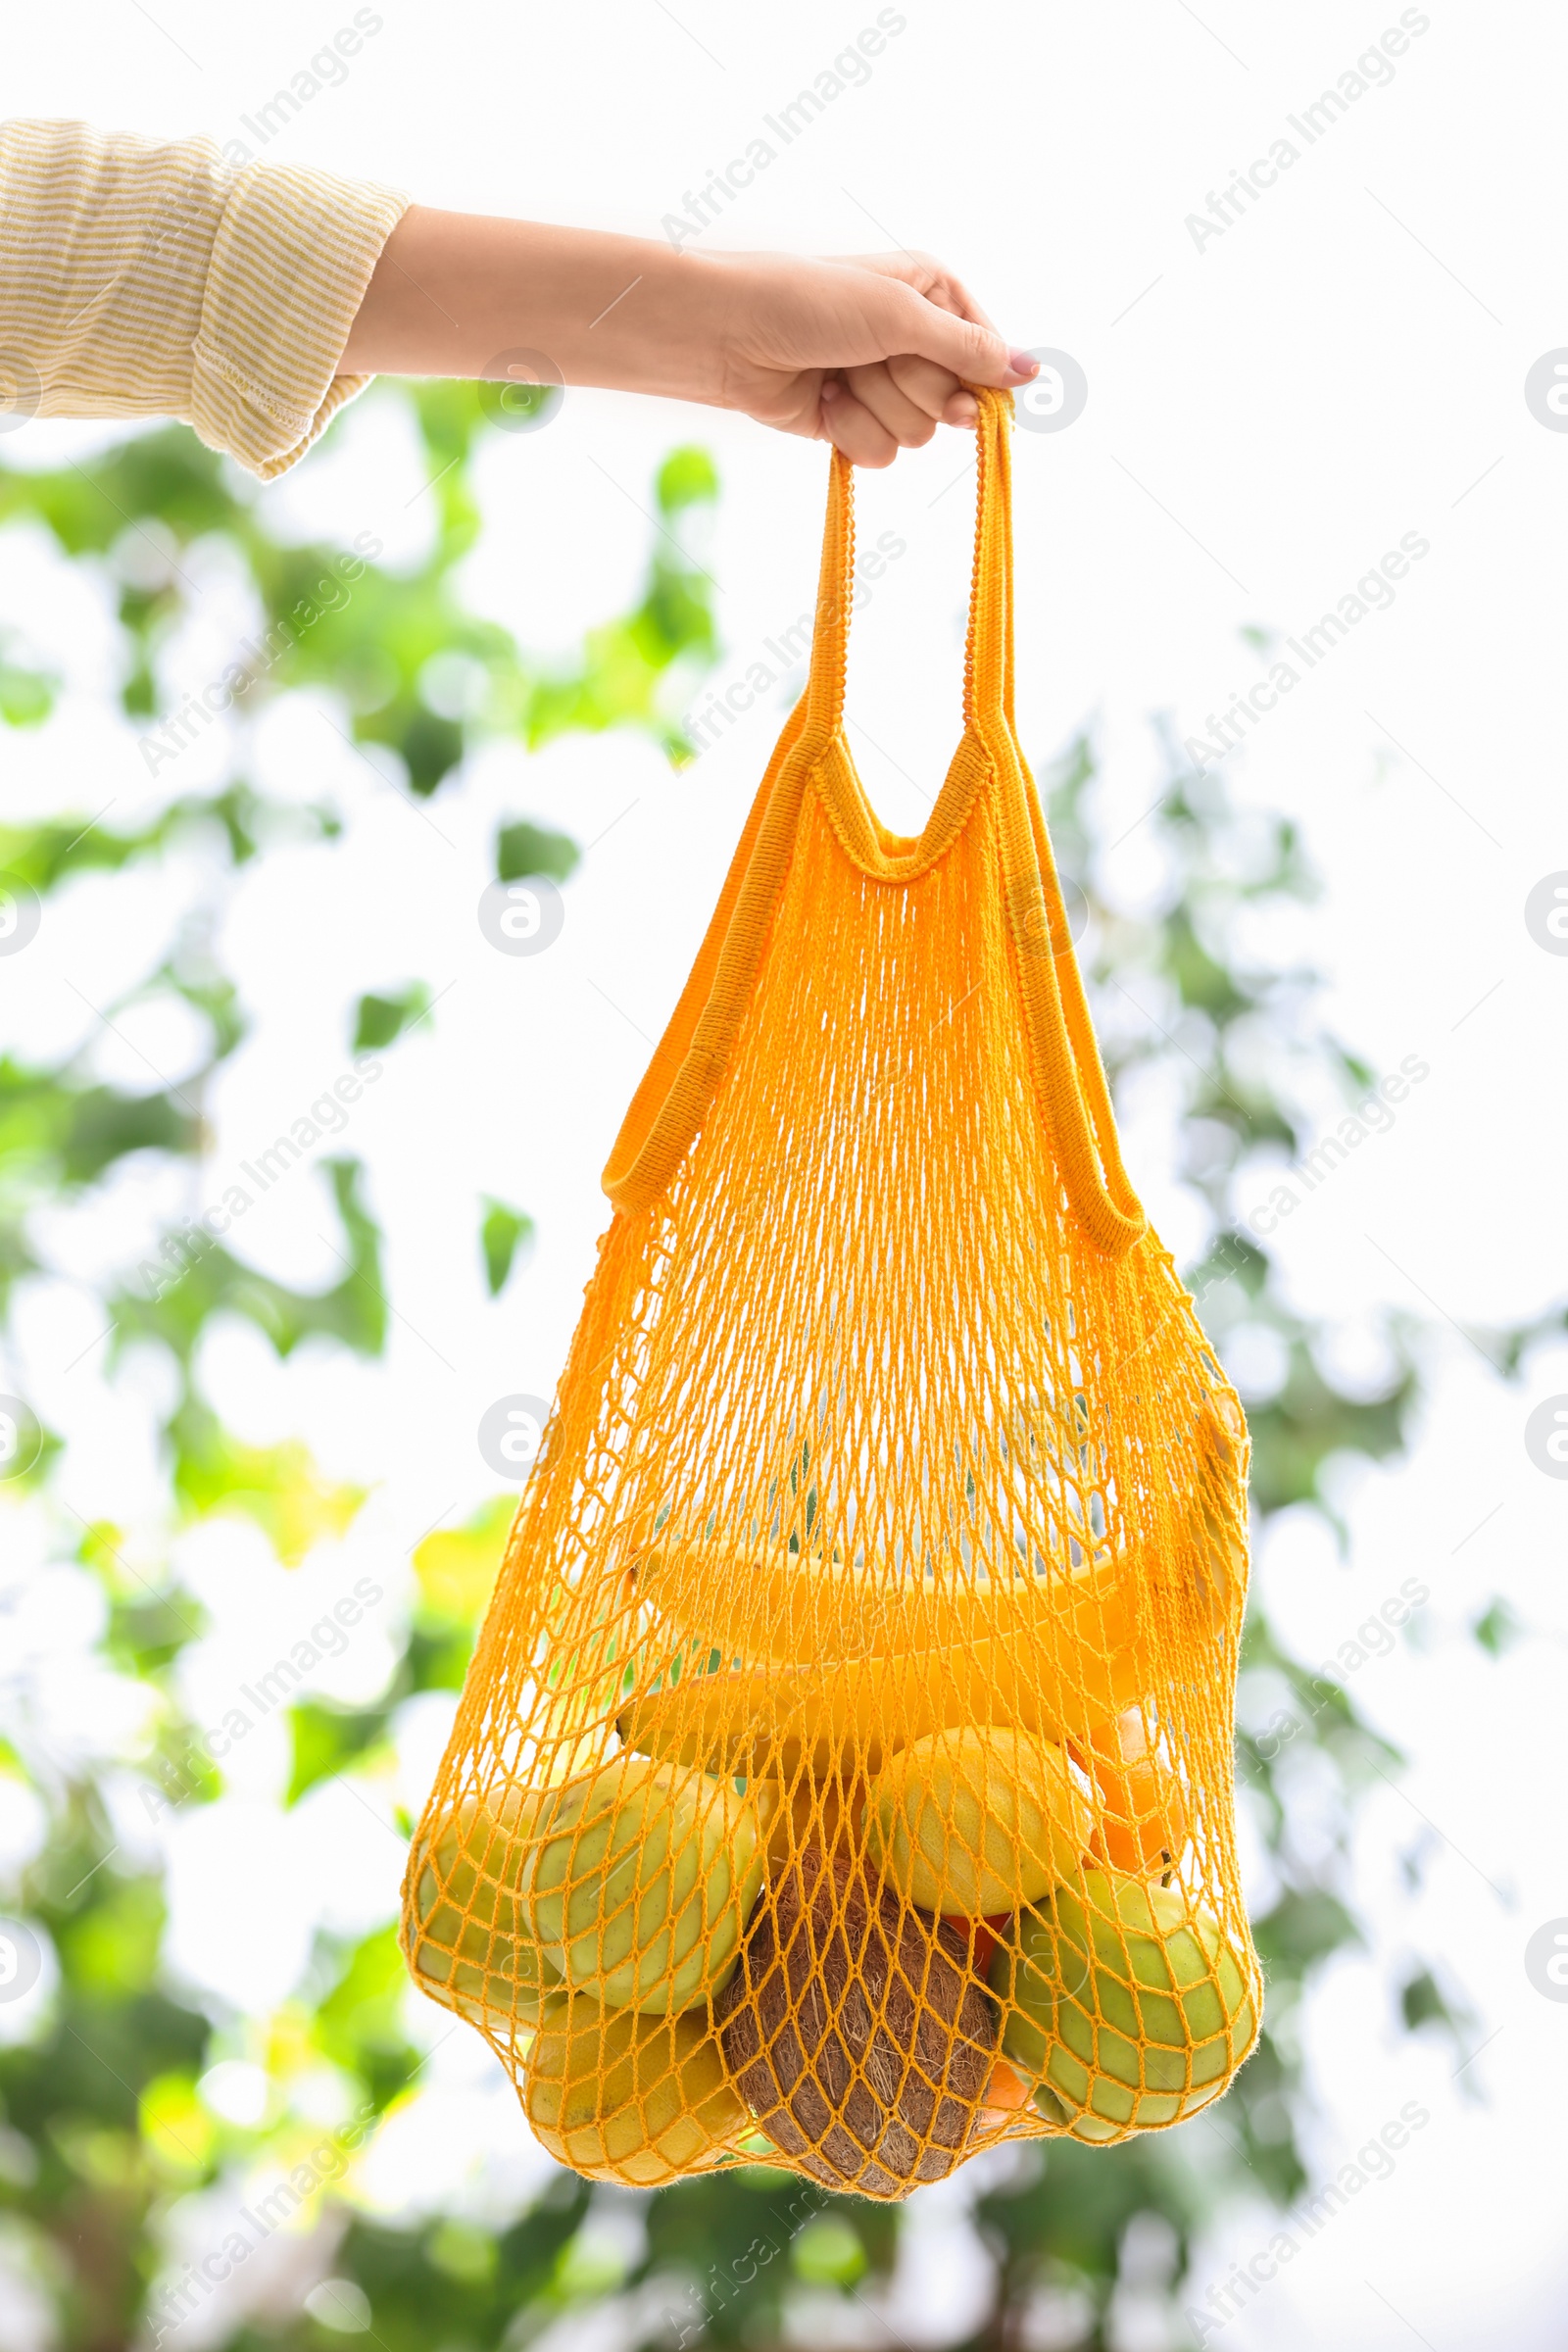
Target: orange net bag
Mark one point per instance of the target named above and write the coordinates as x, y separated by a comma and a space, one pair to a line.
844, 1773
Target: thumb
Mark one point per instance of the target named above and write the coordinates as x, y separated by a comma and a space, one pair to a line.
975, 354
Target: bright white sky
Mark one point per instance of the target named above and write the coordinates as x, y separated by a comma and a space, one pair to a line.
1266, 416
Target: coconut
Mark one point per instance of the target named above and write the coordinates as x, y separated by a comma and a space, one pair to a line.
859, 2038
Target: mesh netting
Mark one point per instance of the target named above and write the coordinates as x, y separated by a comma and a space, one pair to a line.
844, 1773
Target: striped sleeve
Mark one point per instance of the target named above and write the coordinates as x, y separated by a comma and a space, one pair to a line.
144, 278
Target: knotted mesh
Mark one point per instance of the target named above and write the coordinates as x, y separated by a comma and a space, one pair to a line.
844, 1773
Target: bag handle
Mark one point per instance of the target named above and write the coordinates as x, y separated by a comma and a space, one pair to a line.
1074, 1090
1074, 1093
691, 1058
988, 655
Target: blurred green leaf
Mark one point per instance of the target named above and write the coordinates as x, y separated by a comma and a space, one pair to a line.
359, 2023
688, 478
327, 1740
148, 1633
111, 1947
1497, 1629
193, 1277
456, 1566
378, 1020
1305, 1925
523, 849
277, 1485
1421, 2002
828, 2253
26, 696
176, 2129
498, 1236
1425, 2002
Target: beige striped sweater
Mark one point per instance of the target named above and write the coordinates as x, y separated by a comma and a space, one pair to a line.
145, 279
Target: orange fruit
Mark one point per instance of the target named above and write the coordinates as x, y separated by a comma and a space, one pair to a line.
1142, 1825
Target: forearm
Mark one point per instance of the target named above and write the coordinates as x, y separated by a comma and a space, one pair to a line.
455, 291
870, 351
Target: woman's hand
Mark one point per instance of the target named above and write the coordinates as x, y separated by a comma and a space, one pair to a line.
872, 354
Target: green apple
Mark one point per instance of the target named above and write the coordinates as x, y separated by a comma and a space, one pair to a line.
640, 1879
463, 1935
1132, 2008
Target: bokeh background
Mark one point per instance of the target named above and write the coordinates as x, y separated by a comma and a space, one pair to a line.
505, 646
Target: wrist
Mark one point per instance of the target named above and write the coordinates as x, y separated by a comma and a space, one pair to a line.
662, 326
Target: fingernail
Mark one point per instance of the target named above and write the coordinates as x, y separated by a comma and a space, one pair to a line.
1021, 363
832, 388
963, 412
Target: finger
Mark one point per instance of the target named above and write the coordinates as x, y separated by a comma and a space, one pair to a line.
934, 389
928, 277
876, 389
853, 430
975, 354
951, 294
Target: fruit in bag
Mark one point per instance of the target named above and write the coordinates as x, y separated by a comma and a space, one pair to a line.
976, 1822
625, 2097
466, 1940
847, 1717
1007, 2094
1142, 1830
639, 1880
798, 1609
1127, 2007
855, 2031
